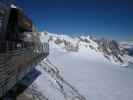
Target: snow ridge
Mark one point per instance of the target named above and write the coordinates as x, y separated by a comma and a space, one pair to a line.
110, 49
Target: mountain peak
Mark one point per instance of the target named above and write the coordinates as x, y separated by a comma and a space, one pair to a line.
110, 49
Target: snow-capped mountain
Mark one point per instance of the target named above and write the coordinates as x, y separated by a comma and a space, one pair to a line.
110, 49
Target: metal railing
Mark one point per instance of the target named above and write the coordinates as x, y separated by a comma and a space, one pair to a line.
43, 47
8, 46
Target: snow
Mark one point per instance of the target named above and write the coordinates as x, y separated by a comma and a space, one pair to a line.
44, 85
90, 40
94, 76
44, 37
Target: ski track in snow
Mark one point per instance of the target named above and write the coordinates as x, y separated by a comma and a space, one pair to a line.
69, 92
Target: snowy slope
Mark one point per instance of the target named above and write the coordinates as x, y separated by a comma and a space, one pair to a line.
80, 71
93, 75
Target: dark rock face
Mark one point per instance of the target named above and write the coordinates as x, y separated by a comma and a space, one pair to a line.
59, 41
111, 48
84, 40
68, 45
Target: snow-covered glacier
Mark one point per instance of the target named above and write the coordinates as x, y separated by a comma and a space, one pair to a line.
94, 76
77, 69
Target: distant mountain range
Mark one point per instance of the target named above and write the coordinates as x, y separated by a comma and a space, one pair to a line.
119, 53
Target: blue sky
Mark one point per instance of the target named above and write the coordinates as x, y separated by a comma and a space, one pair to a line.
111, 19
